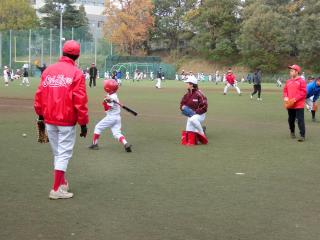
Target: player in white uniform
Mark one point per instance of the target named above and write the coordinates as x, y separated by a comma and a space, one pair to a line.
113, 119
6, 76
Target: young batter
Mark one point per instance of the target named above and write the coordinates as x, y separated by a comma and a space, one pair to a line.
113, 118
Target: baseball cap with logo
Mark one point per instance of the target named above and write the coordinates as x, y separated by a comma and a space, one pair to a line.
72, 47
295, 67
191, 79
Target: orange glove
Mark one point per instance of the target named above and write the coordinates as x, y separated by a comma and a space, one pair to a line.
315, 107
289, 103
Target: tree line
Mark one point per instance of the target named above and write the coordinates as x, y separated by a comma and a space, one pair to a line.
261, 34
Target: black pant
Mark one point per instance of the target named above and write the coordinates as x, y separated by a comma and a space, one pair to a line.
92, 79
256, 88
299, 115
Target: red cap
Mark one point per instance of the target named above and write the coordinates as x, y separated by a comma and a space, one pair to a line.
295, 67
71, 47
110, 86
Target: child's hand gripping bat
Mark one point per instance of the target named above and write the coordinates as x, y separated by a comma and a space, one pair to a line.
121, 105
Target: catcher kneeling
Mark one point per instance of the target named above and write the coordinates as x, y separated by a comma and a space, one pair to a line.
194, 105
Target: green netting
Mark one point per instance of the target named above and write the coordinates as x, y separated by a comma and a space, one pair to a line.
142, 64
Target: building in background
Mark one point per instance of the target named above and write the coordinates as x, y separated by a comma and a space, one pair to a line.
94, 10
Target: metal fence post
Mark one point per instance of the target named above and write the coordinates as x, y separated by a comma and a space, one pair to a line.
50, 40
10, 49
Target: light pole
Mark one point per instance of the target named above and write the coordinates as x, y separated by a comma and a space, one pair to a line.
60, 7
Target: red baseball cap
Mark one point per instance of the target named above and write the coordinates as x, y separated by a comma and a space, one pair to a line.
71, 47
295, 67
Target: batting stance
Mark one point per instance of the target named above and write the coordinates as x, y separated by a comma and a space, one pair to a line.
231, 82
112, 119
61, 100
194, 105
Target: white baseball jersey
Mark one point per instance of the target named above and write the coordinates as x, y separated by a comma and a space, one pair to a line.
115, 108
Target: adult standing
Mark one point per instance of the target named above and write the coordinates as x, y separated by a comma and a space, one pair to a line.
61, 102
159, 78
93, 71
257, 84
294, 96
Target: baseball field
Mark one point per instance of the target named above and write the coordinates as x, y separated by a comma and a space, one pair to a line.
251, 182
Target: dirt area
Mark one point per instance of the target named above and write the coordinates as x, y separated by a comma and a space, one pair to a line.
18, 104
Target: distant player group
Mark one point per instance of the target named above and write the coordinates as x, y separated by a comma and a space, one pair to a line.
61, 101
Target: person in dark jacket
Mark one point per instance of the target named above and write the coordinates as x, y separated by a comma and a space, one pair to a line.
196, 101
44, 66
257, 84
93, 71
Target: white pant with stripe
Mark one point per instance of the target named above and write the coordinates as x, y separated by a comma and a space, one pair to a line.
62, 141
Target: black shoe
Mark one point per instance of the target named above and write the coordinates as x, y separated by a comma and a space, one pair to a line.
94, 147
293, 135
127, 147
301, 139
204, 129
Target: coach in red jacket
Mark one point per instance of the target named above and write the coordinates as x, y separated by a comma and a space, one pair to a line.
61, 100
195, 100
295, 92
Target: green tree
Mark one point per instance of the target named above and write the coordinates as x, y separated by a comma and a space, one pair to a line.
170, 24
216, 24
264, 37
72, 17
308, 42
17, 14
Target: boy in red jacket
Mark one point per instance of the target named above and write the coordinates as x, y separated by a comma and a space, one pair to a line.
294, 96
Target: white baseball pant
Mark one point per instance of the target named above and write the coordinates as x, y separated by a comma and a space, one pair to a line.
112, 122
231, 85
25, 80
62, 141
158, 84
309, 103
194, 123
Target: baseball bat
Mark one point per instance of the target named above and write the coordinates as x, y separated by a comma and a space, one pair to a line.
126, 108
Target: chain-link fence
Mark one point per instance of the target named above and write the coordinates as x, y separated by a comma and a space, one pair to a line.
42, 46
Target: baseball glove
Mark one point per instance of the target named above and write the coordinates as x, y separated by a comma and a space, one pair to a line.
188, 112
289, 104
42, 135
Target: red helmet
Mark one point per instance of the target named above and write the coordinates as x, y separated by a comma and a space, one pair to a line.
72, 47
110, 86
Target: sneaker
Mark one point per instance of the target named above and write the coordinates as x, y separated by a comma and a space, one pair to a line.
60, 194
292, 135
127, 147
94, 147
259, 99
65, 187
301, 139
251, 96
224, 94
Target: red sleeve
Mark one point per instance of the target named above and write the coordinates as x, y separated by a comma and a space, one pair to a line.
106, 106
80, 100
203, 104
303, 90
285, 90
38, 100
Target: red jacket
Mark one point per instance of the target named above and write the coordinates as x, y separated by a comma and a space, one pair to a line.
296, 88
230, 78
195, 100
61, 97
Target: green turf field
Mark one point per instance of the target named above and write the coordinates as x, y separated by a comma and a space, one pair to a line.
162, 190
